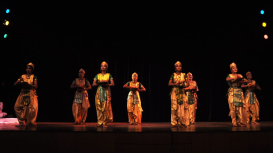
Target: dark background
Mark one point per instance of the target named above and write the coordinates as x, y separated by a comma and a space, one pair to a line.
59, 40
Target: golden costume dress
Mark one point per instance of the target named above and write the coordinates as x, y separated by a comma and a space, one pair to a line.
236, 101
179, 105
134, 104
192, 100
252, 103
81, 102
26, 106
103, 99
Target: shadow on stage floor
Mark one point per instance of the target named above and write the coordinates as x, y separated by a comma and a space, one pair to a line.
148, 137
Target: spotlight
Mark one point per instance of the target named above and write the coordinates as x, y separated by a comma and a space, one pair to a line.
7, 11
265, 36
264, 24
262, 12
5, 35
6, 23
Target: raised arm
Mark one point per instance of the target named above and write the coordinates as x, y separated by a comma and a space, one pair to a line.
112, 84
230, 79
258, 87
35, 84
172, 84
73, 85
191, 86
95, 83
88, 86
244, 81
17, 82
245, 85
126, 86
142, 89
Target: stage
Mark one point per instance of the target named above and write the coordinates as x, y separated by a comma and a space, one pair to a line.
148, 137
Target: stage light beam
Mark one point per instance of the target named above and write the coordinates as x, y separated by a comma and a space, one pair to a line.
265, 36
7, 11
262, 12
5, 35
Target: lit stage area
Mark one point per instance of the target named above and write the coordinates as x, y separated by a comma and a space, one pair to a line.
63, 42
148, 137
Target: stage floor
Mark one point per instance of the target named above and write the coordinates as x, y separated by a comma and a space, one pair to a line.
144, 127
205, 137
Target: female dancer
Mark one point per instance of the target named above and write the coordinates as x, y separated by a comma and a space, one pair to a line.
26, 106
81, 103
133, 101
191, 96
103, 96
252, 103
179, 106
235, 97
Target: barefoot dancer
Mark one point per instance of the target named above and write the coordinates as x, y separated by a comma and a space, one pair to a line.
26, 106
179, 106
103, 96
235, 97
191, 96
81, 102
133, 101
252, 103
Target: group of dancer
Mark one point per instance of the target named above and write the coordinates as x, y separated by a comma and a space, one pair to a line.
183, 98
242, 106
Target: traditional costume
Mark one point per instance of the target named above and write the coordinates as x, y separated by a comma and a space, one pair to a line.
81, 102
103, 98
26, 106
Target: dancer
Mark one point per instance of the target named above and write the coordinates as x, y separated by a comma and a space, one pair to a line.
252, 103
179, 105
133, 101
26, 106
81, 102
235, 97
103, 96
191, 96
2, 114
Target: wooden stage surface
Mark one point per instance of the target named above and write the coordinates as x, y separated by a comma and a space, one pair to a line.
149, 137
144, 127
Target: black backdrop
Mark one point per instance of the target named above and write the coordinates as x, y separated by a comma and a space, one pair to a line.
61, 40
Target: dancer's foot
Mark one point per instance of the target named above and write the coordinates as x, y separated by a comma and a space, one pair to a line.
99, 125
174, 126
234, 125
240, 124
104, 125
181, 126
32, 124
254, 123
21, 124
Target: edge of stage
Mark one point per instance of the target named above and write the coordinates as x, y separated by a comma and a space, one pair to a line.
147, 137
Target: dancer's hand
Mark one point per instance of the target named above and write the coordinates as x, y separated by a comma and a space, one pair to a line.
81, 89
134, 89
